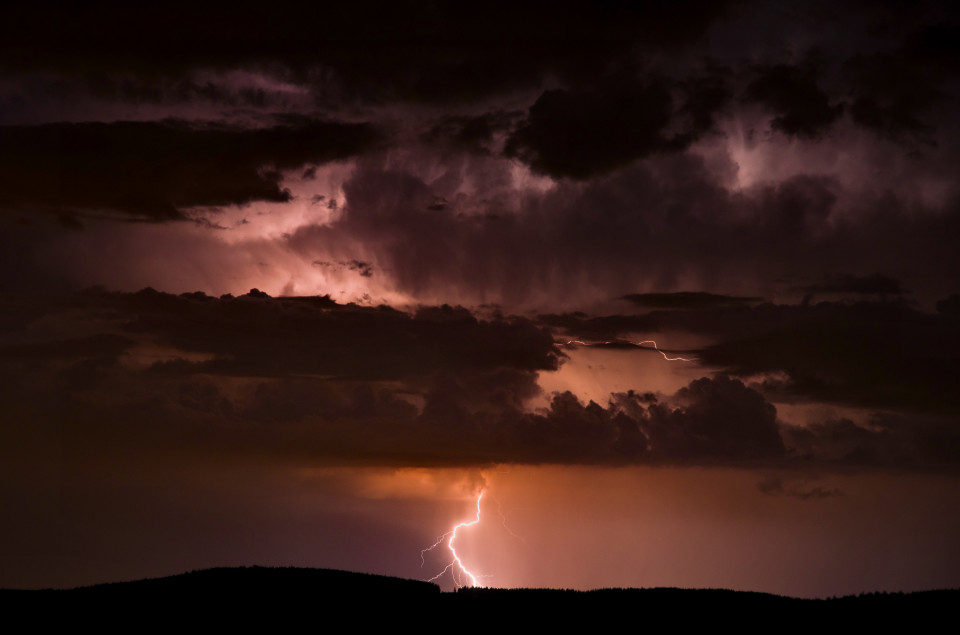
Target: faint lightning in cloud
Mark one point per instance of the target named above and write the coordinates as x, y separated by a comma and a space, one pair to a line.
637, 344
456, 566
503, 519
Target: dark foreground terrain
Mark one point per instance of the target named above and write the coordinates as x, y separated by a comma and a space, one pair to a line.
327, 598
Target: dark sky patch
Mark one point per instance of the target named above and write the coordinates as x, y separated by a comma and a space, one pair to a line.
950, 305
896, 92
372, 50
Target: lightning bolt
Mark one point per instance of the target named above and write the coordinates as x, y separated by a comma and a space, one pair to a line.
637, 344
456, 565
503, 519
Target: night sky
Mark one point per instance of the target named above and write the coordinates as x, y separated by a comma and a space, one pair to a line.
289, 285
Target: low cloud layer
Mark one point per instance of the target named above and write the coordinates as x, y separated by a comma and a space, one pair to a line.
295, 380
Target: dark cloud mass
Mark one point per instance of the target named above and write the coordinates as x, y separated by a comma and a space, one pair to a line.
879, 354
583, 132
877, 284
685, 300
801, 108
435, 52
154, 170
257, 335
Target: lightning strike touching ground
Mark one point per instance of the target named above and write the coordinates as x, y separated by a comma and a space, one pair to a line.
637, 344
456, 564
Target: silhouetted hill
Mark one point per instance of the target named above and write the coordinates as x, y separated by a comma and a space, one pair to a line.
280, 596
287, 582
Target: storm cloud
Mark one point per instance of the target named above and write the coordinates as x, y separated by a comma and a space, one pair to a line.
307, 379
155, 170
